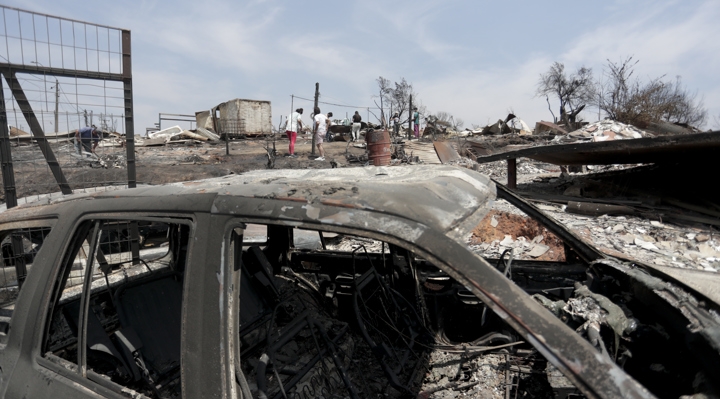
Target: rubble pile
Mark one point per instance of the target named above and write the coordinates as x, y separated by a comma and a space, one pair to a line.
457, 375
177, 135
647, 241
605, 130
511, 124
350, 243
527, 169
464, 374
633, 237
507, 229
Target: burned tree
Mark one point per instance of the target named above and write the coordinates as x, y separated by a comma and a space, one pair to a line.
384, 87
573, 91
398, 97
448, 119
628, 100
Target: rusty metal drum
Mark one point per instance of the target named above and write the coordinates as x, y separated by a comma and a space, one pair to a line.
378, 144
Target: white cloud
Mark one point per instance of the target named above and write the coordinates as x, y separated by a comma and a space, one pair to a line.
480, 97
683, 47
191, 55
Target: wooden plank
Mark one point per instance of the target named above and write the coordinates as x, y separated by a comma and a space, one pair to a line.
425, 151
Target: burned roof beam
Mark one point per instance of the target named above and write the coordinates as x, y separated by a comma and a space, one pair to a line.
687, 148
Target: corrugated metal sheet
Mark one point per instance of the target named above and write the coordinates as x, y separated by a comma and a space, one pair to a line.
445, 151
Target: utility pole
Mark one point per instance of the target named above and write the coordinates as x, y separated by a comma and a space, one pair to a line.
57, 102
410, 118
317, 95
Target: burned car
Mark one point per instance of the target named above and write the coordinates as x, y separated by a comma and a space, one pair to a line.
343, 283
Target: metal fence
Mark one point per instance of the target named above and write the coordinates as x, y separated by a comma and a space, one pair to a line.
59, 75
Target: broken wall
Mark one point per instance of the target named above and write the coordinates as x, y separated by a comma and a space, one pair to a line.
204, 120
257, 115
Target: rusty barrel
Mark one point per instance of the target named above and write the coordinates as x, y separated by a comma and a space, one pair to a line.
378, 144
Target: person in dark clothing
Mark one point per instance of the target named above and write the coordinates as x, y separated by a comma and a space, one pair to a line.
356, 126
328, 135
396, 124
88, 137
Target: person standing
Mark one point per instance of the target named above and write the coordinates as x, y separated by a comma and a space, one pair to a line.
88, 137
294, 125
330, 123
319, 130
416, 122
356, 126
396, 124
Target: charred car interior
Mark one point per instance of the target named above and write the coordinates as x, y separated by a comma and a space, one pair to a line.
347, 316
299, 295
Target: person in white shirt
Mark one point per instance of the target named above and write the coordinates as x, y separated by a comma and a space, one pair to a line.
321, 123
294, 125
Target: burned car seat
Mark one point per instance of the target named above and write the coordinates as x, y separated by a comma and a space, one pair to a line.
150, 312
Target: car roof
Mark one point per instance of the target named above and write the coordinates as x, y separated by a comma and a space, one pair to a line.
444, 198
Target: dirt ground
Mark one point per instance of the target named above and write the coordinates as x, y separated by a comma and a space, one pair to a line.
517, 226
167, 164
211, 160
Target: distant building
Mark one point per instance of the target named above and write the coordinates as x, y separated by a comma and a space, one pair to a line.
237, 117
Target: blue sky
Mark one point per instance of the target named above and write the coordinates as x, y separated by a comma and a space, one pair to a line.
474, 59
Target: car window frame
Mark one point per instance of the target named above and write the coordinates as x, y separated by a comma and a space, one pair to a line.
49, 221
91, 380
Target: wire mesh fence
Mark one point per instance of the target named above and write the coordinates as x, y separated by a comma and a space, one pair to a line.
61, 75
18, 248
231, 129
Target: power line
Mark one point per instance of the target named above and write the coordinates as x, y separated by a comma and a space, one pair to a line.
68, 98
337, 105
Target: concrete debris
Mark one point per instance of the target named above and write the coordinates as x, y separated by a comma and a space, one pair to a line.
525, 167
538, 250
463, 162
194, 136
204, 120
176, 135
637, 238
544, 128
207, 133
605, 130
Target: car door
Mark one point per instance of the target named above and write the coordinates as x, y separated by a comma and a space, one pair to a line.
111, 324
